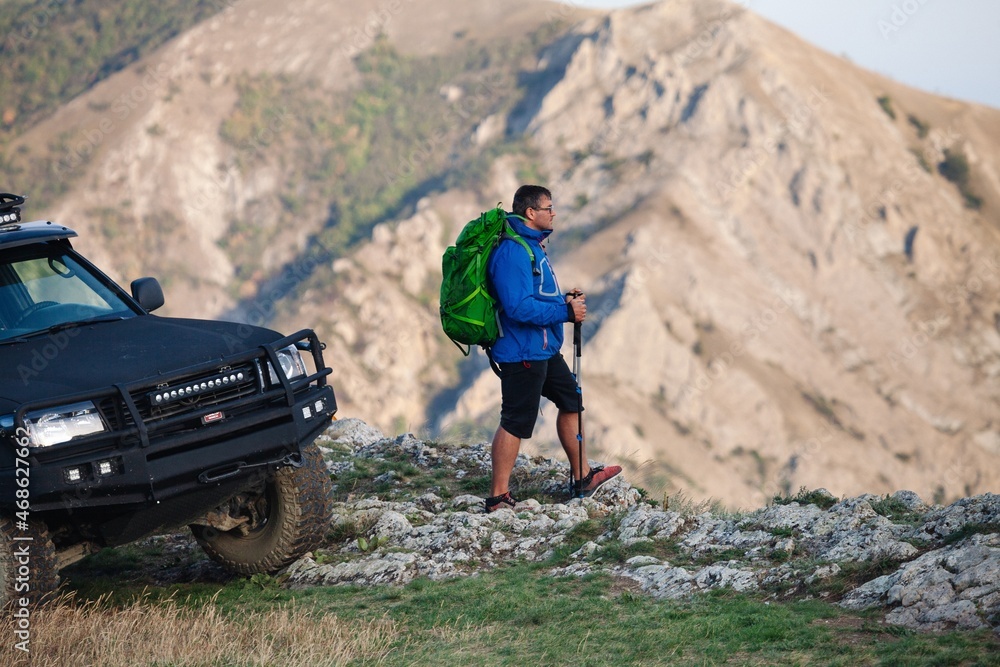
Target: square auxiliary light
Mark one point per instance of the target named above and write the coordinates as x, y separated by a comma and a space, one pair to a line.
73, 475
105, 468
315, 408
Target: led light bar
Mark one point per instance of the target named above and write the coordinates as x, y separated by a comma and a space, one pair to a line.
167, 395
9, 208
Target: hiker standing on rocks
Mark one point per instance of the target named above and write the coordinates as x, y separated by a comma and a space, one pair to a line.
532, 313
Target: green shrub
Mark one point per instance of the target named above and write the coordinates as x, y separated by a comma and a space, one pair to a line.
920, 126
955, 168
886, 103
820, 498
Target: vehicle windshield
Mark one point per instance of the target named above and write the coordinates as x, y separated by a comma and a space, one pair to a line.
45, 287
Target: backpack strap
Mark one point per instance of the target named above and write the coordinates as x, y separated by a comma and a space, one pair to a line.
509, 234
488, 349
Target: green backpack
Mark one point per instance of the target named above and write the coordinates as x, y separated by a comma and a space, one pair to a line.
468, 310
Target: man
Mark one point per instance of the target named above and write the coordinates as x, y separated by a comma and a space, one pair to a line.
532, 314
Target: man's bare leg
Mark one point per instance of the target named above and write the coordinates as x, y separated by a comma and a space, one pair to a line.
566, 426
504, 456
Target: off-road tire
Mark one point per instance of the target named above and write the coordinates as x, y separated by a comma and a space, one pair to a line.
300, 507
40, 573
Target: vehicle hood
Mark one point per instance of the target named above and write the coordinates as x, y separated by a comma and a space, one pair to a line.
102, 354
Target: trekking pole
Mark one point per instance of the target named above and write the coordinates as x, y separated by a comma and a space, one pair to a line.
577, 347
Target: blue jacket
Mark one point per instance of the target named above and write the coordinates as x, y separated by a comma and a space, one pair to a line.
532, 307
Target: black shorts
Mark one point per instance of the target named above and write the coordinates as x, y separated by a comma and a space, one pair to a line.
523, 383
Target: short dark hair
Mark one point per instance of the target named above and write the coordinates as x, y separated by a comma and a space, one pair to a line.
528, 196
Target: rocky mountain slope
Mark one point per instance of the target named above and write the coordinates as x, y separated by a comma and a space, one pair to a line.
940, 564
410, 509
785, 288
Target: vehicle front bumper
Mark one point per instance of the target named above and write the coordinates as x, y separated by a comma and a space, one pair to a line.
219, 455
172, 469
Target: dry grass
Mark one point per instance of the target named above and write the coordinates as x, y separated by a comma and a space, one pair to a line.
165, 633
689, 507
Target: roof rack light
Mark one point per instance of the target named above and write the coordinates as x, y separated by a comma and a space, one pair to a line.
10, 211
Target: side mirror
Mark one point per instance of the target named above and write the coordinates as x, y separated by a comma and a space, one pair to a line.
148, 293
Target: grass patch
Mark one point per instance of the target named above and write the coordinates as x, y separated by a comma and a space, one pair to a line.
122, 560
713, 556
381, 478
783, 531
687, 507
350, 530
397, 476
477, 485
819, 497
970, 529
853, 574
619, 552
520, 615
576, 537
585, 531
147, 633
896, 511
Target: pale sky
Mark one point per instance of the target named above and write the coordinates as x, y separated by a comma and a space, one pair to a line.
951, 48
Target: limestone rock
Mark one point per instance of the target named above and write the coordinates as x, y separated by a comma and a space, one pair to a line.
353, 431
957, 586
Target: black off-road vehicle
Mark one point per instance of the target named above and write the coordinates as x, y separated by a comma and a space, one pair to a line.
116, 424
